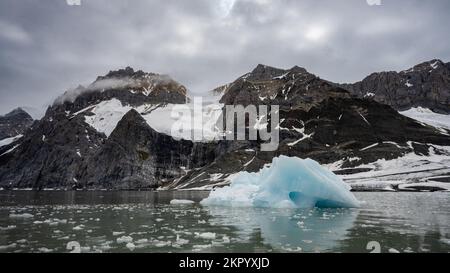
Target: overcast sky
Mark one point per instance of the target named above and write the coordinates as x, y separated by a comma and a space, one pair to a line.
47, 46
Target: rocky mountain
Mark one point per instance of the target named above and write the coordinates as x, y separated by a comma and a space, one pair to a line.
291, 89
318, 120
137, 157
72, 139
425, 85
117, 133
14, 123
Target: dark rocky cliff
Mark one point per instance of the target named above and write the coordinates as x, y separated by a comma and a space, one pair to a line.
14, 123
426, 85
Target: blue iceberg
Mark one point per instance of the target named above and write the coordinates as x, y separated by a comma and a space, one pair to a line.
289, 182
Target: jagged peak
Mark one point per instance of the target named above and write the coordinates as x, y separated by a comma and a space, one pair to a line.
262, 69
428, 65
133, 114
130, 77
265, 72
128, 73
17, 111
298, 69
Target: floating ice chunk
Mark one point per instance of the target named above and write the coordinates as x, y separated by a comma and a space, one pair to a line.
44, 250
181, 241
131, 246
22, 241
23, 215
79, 227
226, 239
13, 245
393, 250
289, 182
142, 241
8, 227
206, 235
181, 202
124, 239
158, 243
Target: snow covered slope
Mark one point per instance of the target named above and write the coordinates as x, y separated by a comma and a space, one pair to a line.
9, 140
411, 171
426, 116
105, 115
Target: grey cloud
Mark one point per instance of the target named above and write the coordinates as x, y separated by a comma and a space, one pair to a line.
47, 47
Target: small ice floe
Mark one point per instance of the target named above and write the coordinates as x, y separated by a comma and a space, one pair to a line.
142, 241
8, 227
180, 241
393, 250
181, 202
60, 221
79, 227
124, 239
291, 249
5, 247
117, 233
130, 246
289, 182
21, 216
408, 250
226, 239
159, 219
44, 250
158, 243
200, 247
85, 249
206, 235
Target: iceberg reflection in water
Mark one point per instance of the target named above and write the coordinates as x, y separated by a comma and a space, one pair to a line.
282, 230
289, 182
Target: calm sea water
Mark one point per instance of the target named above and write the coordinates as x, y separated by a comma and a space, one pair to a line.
147, 222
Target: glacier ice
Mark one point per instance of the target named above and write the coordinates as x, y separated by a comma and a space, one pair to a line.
289, 182
181, 202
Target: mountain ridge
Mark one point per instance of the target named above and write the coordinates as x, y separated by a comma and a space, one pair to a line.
14, 123
424, 85
103, 138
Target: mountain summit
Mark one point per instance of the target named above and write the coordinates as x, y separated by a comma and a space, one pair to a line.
14, 123
424, 85
293, 88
